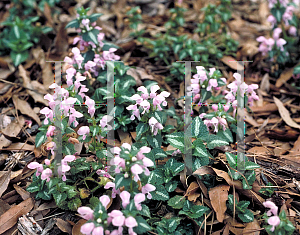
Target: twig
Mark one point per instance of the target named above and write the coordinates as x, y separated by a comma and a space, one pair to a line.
50, 216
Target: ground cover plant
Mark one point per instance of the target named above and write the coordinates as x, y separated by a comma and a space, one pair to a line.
109, 142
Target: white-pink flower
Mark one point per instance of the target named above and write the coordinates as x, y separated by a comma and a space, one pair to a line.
87, 228
138, 198
155, 125
125, 196
274, 221
46, 174
105, 200
84, 130
50, 131
86, 212
147, 189
37, 166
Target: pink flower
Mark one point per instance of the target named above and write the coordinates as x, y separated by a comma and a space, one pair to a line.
273, 208
79, 78
136, 170
130, 222
293, 31
82, 90
280, 42
144, 90
90, 65
276, 33
137, 98
215, 107
86, 22
274, 221
212, 83
50, 131
77, 57
226, 107
70, 74
135, 113
47, 162
109, 55
84, 130
73, 116
37, 166
147, 189
222, 122
272, 20
104, 121
51, 100
145, 105
98, 231
140, 155
125, 196
153, 90
114, 191
46, 174
118, 218
211, 71
214, 121
155, 125
138, 198
87, 228
86, 212
91, 105
48, 113
105, 200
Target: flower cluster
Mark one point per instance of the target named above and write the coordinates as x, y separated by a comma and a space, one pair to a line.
149, 102
204, 80
218, 121
287, 15
48, 171
100, 222
129, 164
273, 220
268, 44
243, 89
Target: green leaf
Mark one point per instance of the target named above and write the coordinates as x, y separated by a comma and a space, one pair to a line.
198, 211
94, 201
226, 135
118, 180
297, 69
156, 177
94, 17
200, 149
247, 216
216, 142
231, 159
160, 193
145, 211
176, 140
40, 139
251, 165
177, 202
18, 58
73, 24
142, 227
43, 195
74, 204
60, 198
171, 186
68, 149
33, 187
140, 129
174, 166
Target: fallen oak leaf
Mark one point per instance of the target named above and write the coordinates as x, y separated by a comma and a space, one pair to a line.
218, 196
284, 113
4, 181
27, 83
25, 108
10, 217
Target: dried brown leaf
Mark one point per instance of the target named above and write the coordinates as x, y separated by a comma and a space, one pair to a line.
231, 62
218, 196
284, 113
64, 226
23, 193
77, 226
4, 181
252, 228
27, 83
10, 217
25, 108
285, 76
